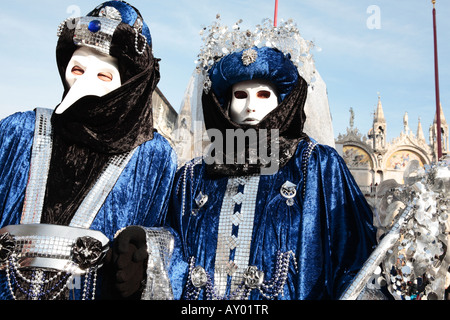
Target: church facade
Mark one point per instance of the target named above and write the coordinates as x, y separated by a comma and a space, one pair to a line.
164, 116
174, 126
372, 159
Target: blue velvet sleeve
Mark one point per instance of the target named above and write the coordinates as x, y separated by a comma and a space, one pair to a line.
178, 270
16, 139
335, 207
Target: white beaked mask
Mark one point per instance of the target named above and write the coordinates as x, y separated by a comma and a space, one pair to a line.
251, 101
89, 73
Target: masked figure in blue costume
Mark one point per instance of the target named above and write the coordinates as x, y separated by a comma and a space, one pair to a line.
72, 178
293, 225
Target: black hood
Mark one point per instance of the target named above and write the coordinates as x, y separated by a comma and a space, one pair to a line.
121, 120
288, 117
92, 130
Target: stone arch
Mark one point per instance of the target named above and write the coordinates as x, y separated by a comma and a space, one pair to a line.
396, 162
361, 165
356, 156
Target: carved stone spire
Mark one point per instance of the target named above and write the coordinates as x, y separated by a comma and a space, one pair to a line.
420, 135
379, 128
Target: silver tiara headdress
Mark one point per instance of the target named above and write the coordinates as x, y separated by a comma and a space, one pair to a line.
97, 32
220, 41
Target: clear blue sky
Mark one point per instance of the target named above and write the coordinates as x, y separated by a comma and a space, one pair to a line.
357, 54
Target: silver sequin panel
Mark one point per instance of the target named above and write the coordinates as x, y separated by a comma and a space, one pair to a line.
40, 164
160, 245
227, 241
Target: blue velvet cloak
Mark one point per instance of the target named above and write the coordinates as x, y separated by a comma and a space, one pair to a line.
329, 229
140, 196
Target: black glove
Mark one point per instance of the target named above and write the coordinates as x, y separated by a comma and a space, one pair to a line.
126, 264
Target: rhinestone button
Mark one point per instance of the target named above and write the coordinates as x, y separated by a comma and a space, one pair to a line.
198, 277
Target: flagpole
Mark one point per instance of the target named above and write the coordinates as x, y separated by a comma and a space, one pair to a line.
275, 19
438, 99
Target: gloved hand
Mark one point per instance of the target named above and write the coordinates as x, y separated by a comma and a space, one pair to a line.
127, 263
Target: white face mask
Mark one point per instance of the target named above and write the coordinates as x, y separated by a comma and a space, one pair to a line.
251, 101
89, 73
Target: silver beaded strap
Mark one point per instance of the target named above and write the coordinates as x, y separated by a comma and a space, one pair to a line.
188, 167
305, 161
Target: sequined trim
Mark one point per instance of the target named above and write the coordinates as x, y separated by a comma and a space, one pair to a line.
43, 260
90, 206
39, 166
160, 245
51, 246
235, 231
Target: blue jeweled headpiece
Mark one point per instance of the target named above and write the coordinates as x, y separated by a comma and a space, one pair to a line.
277, 54
255, 63
96, 30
